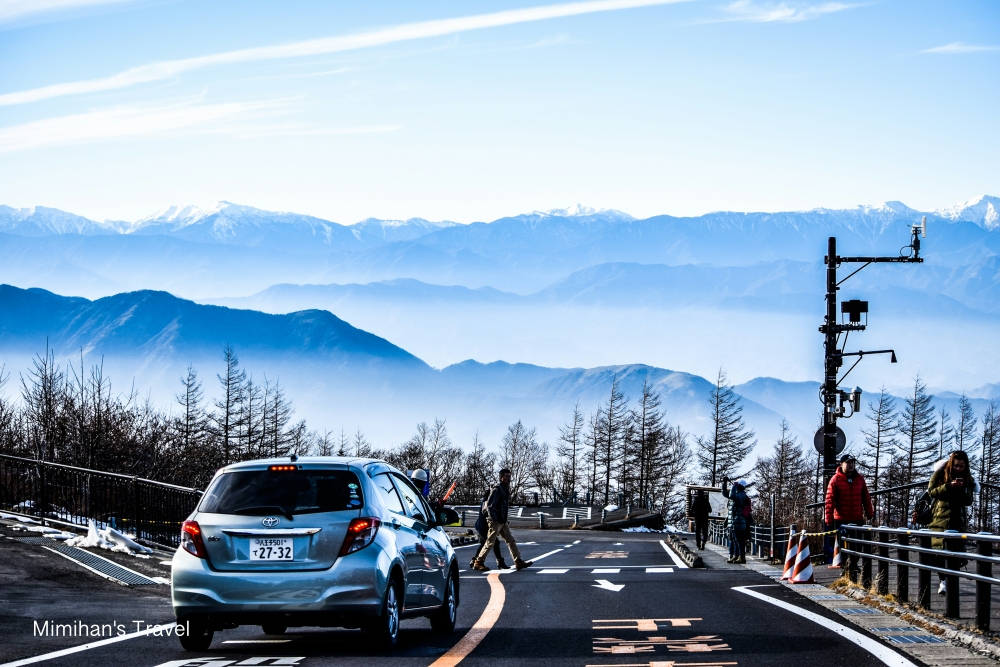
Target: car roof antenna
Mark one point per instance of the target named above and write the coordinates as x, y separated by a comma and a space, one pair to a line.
294, 456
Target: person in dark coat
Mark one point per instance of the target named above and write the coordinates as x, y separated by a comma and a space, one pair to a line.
497, 506
701, 508
952, 487
727, 526
482, 528
739, 520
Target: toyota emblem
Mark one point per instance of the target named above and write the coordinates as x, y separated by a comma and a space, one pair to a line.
270, 521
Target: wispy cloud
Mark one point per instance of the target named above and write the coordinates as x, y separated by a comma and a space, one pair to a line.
122, 122
14, 9
783, 12
959, 47
400, 33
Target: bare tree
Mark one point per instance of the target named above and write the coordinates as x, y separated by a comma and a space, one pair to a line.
880, 436
227, 419
787, 474
570, 449
945, 432
521, 453
918, 427
965, 433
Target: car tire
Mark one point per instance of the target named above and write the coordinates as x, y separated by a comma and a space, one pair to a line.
273, 629
443, 620
385, 629
198, 636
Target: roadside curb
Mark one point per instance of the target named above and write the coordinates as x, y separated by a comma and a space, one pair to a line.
960, 640
937, 626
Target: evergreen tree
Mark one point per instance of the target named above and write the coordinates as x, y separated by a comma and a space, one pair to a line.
965, 432
720, 453
918, 430
880, 437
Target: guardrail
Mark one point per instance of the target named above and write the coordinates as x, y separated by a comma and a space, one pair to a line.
893, 507
868, 544
68, 495
766, 541
527, 516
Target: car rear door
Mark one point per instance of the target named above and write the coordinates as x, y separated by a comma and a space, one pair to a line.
431, 561
407, 539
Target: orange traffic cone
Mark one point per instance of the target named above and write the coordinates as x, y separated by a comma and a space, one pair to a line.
837, 562
802, 573
790, 552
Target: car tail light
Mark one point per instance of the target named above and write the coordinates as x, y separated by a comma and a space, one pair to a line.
360, 534
191, 540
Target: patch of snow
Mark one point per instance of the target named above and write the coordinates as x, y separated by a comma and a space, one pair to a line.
109, 538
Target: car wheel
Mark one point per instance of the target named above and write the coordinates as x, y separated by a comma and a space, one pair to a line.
197, 636
273, 629
385, 628
443, 620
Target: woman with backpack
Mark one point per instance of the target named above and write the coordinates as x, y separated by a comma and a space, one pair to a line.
951, 487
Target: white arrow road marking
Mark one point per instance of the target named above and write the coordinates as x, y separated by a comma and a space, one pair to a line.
607, 585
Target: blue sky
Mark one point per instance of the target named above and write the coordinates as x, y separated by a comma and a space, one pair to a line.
473, 110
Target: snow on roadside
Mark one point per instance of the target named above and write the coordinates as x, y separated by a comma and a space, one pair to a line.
111, 539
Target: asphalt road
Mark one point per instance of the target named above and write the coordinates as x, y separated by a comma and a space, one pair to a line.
558, 613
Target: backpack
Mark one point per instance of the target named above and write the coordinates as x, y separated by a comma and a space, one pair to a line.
923, 511
747, 509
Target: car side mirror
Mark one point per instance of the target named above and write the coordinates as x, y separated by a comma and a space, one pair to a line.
445, 516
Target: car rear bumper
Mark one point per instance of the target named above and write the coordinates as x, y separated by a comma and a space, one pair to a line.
353, 586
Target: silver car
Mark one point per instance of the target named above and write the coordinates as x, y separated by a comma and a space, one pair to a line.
325, 541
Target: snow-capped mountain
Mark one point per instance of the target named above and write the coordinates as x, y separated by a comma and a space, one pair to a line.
983, 210
42, 221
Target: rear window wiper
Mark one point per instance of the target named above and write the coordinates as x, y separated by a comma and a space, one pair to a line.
265, 509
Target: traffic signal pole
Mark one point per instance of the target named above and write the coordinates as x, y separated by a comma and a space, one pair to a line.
836, 401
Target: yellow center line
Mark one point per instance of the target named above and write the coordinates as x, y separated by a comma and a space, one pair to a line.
482, 627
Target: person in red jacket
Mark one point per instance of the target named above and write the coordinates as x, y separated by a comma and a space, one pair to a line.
847, 497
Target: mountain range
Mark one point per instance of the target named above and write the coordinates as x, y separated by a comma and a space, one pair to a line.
564, 297
341, 377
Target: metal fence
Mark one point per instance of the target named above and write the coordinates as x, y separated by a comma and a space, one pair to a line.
765, 541
867, 544
893, 507
58, 493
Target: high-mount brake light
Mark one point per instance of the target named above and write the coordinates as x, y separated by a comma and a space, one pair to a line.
360, 534
283, 468
191, 539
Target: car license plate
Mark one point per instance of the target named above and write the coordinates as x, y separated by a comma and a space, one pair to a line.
271, 548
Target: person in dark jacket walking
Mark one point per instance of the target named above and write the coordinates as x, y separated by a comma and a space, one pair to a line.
952, 487
482, 528
496, 519
701, 508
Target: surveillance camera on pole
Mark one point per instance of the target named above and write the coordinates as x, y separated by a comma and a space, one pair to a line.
835, 400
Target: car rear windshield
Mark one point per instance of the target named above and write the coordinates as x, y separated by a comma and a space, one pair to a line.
287, 492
